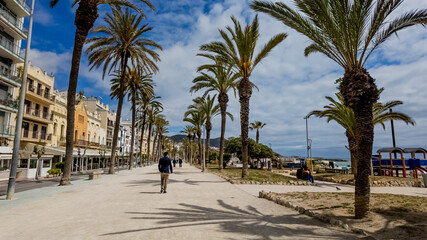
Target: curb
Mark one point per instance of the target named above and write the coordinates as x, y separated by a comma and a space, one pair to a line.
323, 218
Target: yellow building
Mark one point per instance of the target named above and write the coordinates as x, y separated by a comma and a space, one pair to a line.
80, 125
59, 111
37, 121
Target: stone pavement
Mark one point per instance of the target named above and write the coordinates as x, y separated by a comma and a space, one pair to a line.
128, 205
329, 187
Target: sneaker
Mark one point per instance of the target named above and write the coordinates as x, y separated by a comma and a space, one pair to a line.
164, 191
161, 191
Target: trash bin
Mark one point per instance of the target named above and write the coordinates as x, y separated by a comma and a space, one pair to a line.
425, 179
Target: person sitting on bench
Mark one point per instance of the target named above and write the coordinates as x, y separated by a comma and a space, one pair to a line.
306, 174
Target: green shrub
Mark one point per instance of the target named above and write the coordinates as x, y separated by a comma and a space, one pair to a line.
60, 165
54, 171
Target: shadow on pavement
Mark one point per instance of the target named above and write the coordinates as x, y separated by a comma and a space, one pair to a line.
138, 183
233, 219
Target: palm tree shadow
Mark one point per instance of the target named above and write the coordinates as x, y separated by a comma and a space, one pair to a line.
233, 219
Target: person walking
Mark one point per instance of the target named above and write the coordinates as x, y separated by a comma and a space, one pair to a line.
165, 165
174, 163
180, 162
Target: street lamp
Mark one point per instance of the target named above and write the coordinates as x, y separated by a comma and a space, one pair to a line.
306, 134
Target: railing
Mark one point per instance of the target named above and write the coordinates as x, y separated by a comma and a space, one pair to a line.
110, 124
7, 130
9, 17
36, 135
41, 92
109, 135
83, 143
24, 4
10, 46
12, 75
9, 102
38, 113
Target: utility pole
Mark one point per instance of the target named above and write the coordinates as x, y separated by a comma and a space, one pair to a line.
17, 140
392, 134
306, 135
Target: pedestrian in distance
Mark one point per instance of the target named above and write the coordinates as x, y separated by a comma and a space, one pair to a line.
174, 163
180, 162
165, 167
306, 174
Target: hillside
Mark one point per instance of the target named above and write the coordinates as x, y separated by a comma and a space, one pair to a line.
181, 137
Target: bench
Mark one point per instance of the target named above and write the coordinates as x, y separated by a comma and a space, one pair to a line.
95, 174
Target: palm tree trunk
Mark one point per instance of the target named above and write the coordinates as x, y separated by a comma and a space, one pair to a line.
132, 137
199, 136
257, 135
149, 140
142, 138
223, 100
86, 15
208, 138
352, 148
118, 114
154, 146
360, 93
245, 92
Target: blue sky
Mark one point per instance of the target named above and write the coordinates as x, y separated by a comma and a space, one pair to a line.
290, 85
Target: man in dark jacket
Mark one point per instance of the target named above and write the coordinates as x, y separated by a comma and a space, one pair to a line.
165, 165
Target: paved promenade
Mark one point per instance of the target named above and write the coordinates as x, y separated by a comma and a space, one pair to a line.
128, 205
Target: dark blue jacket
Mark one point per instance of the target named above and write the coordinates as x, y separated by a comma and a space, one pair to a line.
165, 164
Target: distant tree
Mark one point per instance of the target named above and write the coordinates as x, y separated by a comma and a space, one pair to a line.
257, 125
234, 145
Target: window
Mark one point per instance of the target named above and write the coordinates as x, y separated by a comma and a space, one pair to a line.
23, 163
81, 119
35, 129
54, 129
33, 163
46, 163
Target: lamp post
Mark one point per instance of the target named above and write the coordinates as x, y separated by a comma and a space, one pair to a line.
306, 134
392, 134
204, 150
16, 142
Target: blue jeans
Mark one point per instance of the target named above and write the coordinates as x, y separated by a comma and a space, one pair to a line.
310, 178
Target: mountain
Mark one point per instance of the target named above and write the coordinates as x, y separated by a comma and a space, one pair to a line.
181, 137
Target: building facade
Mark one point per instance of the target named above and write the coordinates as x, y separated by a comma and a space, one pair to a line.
12, 14
59, 111
37, 124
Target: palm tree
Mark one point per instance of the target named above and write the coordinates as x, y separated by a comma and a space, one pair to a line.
207, 107
86, 15
222, 81
237, 52
257, 125
344, 116
138, 85
152, 112
145, 102
196, 119
160, 123
348, 32
120, 43
189, 130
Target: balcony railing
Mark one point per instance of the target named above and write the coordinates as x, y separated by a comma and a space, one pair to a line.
84, 143
36, 135
24, 4
12, 75
7, 130
9, 17
9, 102
38, 113
41, 92
10, 46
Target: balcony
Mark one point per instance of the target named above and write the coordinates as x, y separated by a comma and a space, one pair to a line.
10, 78
8, 104
35, 136
7, 131
11, 50
12, 24
38, 115
41, 94
84, 143
19, 7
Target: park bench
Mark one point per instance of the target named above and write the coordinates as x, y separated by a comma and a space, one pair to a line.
95, 174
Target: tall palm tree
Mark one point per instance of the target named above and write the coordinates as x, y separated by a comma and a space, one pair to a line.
348, 32
189, 130
138, 85
161, 124
238, 51
196, 119
86, 15
222, 80
337, 111
257, 125
144, 103
152, 112
120, 43
207, 107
